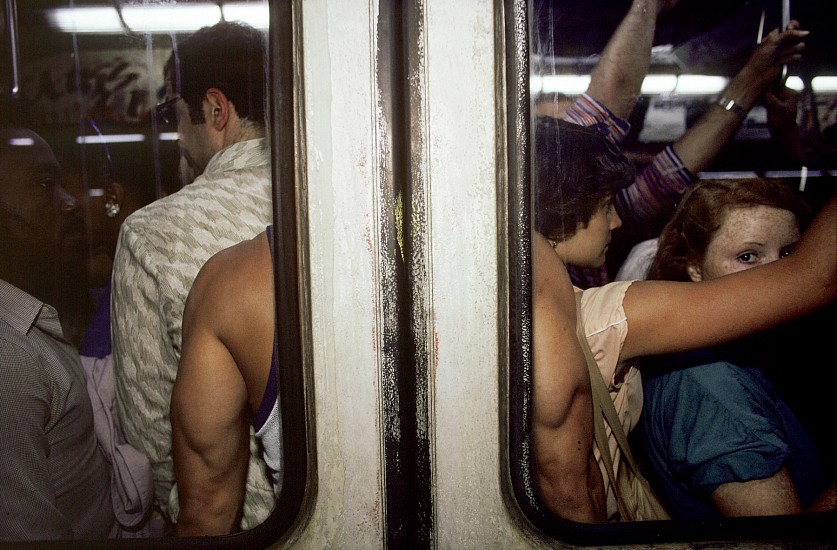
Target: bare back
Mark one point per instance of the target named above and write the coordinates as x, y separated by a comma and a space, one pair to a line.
224, 367
566, 471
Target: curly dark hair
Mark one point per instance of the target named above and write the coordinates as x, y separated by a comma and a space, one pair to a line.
576, 169
703, 210
228, 56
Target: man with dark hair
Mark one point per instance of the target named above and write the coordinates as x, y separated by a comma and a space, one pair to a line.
55, 479
215, 94
590, 170
571, 474
615, 85
227, 57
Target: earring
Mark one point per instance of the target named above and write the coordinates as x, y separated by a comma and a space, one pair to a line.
112, 208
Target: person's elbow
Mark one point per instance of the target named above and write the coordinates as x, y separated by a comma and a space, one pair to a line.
206, 512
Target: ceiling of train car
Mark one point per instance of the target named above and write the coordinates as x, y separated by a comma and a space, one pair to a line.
708, 36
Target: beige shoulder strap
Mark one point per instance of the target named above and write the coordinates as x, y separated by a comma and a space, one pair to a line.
603, 409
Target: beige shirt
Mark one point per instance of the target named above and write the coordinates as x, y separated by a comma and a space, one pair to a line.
606, 326
161, 248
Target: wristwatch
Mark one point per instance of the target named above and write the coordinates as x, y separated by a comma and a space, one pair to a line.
730, 105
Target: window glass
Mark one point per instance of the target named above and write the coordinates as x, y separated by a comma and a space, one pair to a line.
693, 93
88, 77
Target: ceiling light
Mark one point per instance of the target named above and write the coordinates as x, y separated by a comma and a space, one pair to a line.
85, 19
658, 84
112, 138
170, 18
21, 142
795, 83
566, 83
255, 15
824, 83
696, 84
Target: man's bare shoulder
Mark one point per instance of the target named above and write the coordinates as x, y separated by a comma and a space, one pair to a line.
551, 282
233, 278
560, 368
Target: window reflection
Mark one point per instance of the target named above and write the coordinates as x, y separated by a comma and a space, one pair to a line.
90, 77
694, 94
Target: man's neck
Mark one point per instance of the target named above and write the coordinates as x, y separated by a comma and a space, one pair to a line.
242, 130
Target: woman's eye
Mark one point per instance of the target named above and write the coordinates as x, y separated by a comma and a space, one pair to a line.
786, 252
747, 257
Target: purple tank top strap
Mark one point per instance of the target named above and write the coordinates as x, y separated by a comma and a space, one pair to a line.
271, 389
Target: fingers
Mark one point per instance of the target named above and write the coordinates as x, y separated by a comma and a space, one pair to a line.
781, 99
783, 48
789, 59
771, 101
791, 35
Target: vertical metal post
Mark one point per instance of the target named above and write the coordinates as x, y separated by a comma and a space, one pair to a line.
14, 50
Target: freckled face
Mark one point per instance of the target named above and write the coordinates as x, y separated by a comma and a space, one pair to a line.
749, 237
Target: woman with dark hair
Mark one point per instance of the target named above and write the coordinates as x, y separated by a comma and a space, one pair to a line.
625, 320
720, 439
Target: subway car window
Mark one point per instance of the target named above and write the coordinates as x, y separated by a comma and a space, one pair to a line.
141, 130
664, 134
364, 274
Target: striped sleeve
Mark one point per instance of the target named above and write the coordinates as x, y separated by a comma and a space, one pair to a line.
586, 111
660, 184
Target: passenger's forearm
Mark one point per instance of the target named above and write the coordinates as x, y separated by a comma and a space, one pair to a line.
702, 143
699, 146
617, 78
208, 511
815, 259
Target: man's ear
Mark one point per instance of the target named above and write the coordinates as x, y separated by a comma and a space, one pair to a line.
694, 273
220, 108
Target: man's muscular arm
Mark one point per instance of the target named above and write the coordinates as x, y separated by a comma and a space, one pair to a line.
210, 434
567, 475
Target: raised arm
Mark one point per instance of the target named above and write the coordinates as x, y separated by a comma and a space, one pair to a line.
782, 106
702, 143
567, 474
617, 78
663, 181
666, 317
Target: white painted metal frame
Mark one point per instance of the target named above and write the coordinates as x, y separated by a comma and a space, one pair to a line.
457, 159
